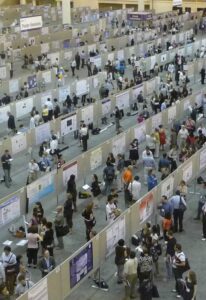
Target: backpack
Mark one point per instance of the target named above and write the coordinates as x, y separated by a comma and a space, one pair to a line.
109, 172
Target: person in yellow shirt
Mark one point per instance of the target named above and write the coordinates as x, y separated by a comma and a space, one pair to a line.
45, 114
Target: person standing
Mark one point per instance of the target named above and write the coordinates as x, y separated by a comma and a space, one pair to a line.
46, 264
33, 246
202, 74
68, 211
50, 107
190, 286
117, 115
33, 170
89, 219
130, 273
59, 223
73, 67
85, 136
78, 60
8, 259
204, 222
6, 165
23, 285
120, 256
178, 212
110, 209
179, 261
135, 188
108, 176
71, 188
95, 189
11, 123
48, 238
149, 164
170, 253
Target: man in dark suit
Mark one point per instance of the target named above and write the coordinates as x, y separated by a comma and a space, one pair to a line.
11, 122
46, 264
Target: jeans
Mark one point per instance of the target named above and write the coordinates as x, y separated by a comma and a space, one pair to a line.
120, 273
107, 187
168, 264
7, 177
178, 275
178, 218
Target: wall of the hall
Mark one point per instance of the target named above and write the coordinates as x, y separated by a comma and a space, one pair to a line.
8, 2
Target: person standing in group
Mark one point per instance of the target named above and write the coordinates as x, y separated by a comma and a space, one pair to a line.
120, 256
151, 180
85, 136
204, 222
73, 67
45, 113
50, 107
127, 177
46, 264
110, 209
68, 211
89, 219
170, 253
108, 176
95, 189
71, 188
33, 246
59, 223
8, 259
11, 123
179, 262
133, 152
177, 203
48, 238
6, 165
202, 74
117, 115
135, 188
189, 286
162, 136
130, 273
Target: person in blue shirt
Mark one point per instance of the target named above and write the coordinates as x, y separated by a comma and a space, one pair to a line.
165, 206
151, 180
178, 212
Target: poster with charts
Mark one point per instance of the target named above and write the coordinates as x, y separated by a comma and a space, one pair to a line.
32, 81
41, 188
24, 107
122, 100
187, 171
63, 93
3, 113
82, 87
167, 187
172, 112
115, 232
96, 159
13, 86
140, 132
18, 143
44, 97
119, 145
146, 207
156, 121
88, 114
39, 291
2, 72
68, 170
68, 124
136, 91
203, 159
106, 107
151, 86
47, 76
10, 210
42, 133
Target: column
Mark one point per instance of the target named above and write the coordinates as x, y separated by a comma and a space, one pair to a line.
22, 2
123, 6
58, 3
66, 12
33, 2
140, 5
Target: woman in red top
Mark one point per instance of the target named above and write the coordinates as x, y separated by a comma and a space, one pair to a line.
191, 139
162, 136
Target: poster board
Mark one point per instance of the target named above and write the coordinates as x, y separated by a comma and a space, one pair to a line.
3, 113
96, 159
41, 188
68, 170
47, 76
45, 96
18, 143
13, 86
42, 133
167, 187
187, 171
136, 91
24, 107
82, 87
203, 159
172, 112
146, 207
106, 107
88, 114
122, 100
10, 210
114, 233
2, 72
39, 291
68, 124
140, 132
119, 145
63, 93
156, 121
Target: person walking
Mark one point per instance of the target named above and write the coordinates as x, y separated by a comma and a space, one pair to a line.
59, 223
178, 205
130, 273
68, 211
11, 123
120, 256
108, 176
89, 219
6, 165
71, 189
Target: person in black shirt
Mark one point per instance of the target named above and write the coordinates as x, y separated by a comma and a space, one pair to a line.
6, 165
71, 188
170, 252
11, 122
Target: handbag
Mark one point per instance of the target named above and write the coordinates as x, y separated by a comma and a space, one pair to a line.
62, 230
182, 206
155, 293
186, 266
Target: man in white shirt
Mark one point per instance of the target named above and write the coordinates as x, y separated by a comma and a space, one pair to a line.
110, 210
50, 107
84, 135
130, 273
146, 152
8, 260
33, 170
23, 285
182, 135
179, 262
135, 188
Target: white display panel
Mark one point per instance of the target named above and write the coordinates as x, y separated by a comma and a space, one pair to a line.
42, 133
88, 114
122, 100
30, 23
167, 187
68, 170
18, 143
68, 124
172, 112
3, 113
140, 132
119, 145
39, 291
82, 87
24, 107
63, 93
10, 210
203, 159
106, 106
114, 234
96, 159
13, 86
156, 121
187, 172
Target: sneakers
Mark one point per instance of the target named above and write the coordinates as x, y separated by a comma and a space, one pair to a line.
178, 296
203, 239
174, 291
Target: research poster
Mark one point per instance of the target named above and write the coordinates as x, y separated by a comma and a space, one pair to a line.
203, 159
2, 72
96, 159
47, 76
13, 86
119, 145
140, 132
24, 107
115, 232
122, 100
63, 93
186, 104
82, 87
3, 113
9, 210
187, 171
81, 265
106, 107
39, 291
18, 143
172, 112
68, 170
42, 133
41, 188
32, 81
68, 124
136, 91
151, 86
88, 114
156, 121
146, 207
167, 187
31, 23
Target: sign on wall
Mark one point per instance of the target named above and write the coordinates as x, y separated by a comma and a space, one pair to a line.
30, 23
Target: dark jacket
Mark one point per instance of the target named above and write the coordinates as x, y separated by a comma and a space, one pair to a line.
11, 122
68, 209
43, 265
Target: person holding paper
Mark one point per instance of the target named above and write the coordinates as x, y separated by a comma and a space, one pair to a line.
6, 165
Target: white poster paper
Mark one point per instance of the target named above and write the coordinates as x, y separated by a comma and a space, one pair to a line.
172, 114
3, 113
47, 76
167, 187
44, 97
120, 54
68, 170
88, 114
114, 234
140, 132
136, 91
106, 106
63, 93
10, 210
203, 159
13, 86
39, 291
153, 61
82, 87
45, 48
18, 143
122, 100
68, 124
42, 133
156, 121
111, 56
151, 86
187, 172
24, 107
96, 159
163, 58
119, 145
3, 73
